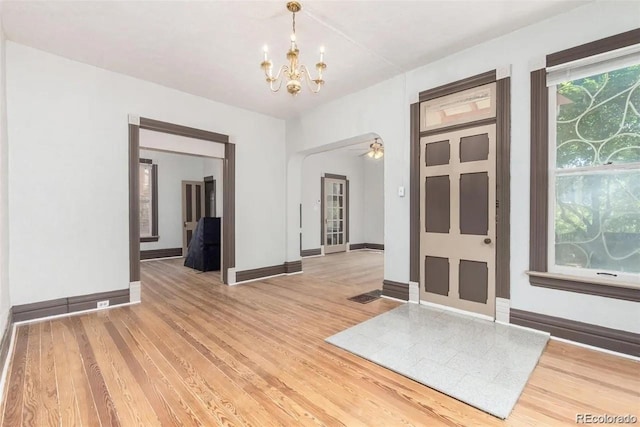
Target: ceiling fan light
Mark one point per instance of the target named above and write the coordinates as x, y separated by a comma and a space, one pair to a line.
370, 153
378, 154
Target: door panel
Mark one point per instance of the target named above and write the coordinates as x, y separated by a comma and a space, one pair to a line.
192, 210
335, 215
457, 218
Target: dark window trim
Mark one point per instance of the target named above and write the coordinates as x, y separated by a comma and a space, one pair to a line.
154, 203
607, 44
538, 241
503, 173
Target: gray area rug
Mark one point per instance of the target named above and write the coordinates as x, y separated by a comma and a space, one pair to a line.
482, 363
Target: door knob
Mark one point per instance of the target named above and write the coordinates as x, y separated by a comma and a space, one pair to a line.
487, 240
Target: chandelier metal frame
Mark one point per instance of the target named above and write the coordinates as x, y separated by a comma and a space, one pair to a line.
293, 72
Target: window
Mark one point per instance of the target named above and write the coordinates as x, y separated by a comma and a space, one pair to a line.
148, 201
594, 179
585, 169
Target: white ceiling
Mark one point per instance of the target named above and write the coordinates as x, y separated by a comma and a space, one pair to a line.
213, 48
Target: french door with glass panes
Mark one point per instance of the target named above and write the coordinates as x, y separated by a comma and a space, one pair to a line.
335, 215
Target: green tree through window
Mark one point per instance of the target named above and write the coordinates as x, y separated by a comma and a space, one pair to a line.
597, 177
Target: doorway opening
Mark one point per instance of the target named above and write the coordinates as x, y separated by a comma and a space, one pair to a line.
459, 246
342, 209
167, 138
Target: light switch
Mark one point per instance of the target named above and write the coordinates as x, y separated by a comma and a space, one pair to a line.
401, 191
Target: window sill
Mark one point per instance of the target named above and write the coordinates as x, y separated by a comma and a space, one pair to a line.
586, 285
149, 239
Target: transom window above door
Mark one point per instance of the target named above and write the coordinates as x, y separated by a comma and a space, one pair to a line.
469, 105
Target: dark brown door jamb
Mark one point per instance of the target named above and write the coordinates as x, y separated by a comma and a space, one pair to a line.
228, 192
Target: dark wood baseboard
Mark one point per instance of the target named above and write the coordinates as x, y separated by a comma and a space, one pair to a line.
395, 290
273, 270
585, 333
6, 341
160, 253
310, 252
356, 246
376, 246
293, 267
258, 273
67, 305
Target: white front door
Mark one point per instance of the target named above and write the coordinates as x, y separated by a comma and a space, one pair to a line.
458, 219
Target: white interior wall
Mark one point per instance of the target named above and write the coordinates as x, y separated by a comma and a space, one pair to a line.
373, 200
5, 302
68, 206
338, 163
384, 109
173, 168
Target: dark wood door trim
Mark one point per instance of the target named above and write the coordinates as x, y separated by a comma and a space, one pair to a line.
228, 192
503, 174
458, 86
414, 195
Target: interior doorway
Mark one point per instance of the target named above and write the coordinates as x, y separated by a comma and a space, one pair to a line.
193, 208
335, 214
181, 139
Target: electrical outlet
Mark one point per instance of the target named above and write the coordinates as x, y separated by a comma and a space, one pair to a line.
103, 304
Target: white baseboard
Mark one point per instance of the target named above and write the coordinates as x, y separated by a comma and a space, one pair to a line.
503, 308
73, 313
393, 299
263, 278
512, 325
414, 292
231, 276
601, 350
135, 292
456, 310
294, 273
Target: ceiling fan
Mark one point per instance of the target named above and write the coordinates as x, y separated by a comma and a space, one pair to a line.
376, 150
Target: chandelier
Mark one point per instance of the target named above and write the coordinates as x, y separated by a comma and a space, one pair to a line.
377, 150
293, 72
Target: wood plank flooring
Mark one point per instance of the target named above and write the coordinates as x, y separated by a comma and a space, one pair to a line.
196, 352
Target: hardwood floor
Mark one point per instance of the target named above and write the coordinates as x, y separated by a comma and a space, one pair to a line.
196, 352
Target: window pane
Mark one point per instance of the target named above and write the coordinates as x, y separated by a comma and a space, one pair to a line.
597, 220
145, 200
598, 119
467, 106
